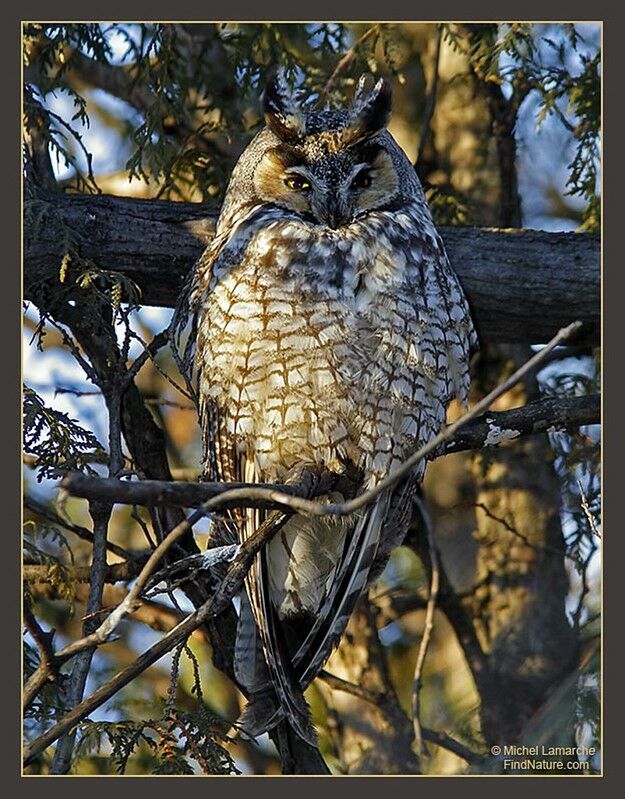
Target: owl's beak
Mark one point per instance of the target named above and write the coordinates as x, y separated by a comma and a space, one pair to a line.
335, 213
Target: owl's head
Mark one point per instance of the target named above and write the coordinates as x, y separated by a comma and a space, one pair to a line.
328, 167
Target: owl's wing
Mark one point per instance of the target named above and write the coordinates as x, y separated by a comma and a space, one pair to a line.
185, 335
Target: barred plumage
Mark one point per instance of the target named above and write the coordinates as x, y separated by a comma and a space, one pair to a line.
331, 334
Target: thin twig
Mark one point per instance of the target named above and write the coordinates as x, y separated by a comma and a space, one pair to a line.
375, 698
75, 392
447, 742
587, 512
169, 403
359, 691
427, 628
150, 351
346, 59
85, 534
144, 527
516, 533
157, 343
74, 349
577, 614
42, 639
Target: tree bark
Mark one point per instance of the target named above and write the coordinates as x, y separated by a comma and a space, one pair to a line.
519, 609
523, 285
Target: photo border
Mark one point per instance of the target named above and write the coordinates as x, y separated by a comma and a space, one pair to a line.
613, 274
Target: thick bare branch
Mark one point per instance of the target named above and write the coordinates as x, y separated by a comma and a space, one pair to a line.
541, 416
523, 285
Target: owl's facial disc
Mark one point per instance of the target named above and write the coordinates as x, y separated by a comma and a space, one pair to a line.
333, 192
366, 181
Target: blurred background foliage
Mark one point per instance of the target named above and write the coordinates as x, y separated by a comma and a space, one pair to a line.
502, 122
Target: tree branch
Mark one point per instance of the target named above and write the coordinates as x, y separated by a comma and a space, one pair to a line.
42, 639
101, 514
522, 285
490, 429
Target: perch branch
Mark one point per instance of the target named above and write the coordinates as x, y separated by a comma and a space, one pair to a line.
487, 430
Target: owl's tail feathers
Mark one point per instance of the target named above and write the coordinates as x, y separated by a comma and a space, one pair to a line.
260, 715
250, 667
263, 712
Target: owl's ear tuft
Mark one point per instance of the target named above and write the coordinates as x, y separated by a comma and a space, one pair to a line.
371, 110
281, 110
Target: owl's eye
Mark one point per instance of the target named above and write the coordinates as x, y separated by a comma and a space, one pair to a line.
362, 180
297, 183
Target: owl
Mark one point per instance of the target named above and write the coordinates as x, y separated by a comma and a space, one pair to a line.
330, 336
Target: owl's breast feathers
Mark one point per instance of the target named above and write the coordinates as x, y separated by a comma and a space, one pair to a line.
319, 346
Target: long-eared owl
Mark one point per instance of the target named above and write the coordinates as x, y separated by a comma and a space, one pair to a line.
331, 335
